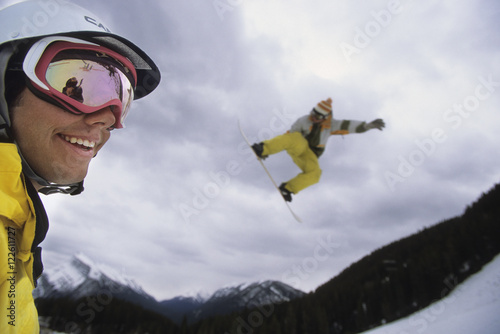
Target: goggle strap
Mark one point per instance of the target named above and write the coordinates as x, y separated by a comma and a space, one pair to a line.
48, 187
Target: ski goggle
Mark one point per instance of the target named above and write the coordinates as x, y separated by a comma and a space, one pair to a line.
317, 115
81, 77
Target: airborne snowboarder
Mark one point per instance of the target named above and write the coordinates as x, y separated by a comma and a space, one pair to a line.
306, 141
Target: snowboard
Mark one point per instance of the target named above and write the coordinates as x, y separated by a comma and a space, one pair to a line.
297, 218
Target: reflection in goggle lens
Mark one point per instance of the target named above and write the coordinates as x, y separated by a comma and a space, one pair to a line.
89, 82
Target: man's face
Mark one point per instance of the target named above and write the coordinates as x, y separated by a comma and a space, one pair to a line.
56, 144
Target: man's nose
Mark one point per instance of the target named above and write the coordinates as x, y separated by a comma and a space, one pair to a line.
104, 117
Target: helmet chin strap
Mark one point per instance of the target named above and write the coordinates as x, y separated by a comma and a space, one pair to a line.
49, 188
73, 189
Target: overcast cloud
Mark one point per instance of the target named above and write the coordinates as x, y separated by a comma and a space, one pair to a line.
176, 200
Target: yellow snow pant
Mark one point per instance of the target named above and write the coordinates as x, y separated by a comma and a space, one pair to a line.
297, 147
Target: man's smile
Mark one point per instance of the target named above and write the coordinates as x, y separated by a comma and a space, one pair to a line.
83, 142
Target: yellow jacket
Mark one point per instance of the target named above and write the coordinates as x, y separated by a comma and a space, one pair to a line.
17, 234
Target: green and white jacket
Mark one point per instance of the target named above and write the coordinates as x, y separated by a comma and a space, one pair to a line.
317, 134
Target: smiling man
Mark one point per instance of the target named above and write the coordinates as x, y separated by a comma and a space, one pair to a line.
66, 82
58, 145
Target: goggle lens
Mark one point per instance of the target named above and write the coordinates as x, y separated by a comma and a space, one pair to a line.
91, 84
80, 76
317, 115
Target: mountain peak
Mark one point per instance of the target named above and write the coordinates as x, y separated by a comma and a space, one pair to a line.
230, 299
81, 276
259, 292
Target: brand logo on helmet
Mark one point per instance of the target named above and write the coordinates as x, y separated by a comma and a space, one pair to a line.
96, 23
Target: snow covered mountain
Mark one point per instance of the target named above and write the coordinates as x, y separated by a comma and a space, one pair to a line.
230, 299
81, 277
249, 296
254, 294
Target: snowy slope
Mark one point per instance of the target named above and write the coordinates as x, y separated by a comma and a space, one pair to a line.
472, 308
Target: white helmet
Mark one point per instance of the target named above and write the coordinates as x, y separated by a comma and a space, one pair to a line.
29, 21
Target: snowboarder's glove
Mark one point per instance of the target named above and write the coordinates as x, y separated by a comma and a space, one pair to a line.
376, 124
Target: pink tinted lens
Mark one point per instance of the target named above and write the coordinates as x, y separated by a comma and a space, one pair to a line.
91, 84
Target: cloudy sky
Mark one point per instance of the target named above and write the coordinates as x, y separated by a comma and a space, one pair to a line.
176, 200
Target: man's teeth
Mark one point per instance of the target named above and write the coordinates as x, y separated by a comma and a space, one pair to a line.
79, 141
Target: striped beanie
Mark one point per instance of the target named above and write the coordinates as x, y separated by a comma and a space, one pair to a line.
324, 107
